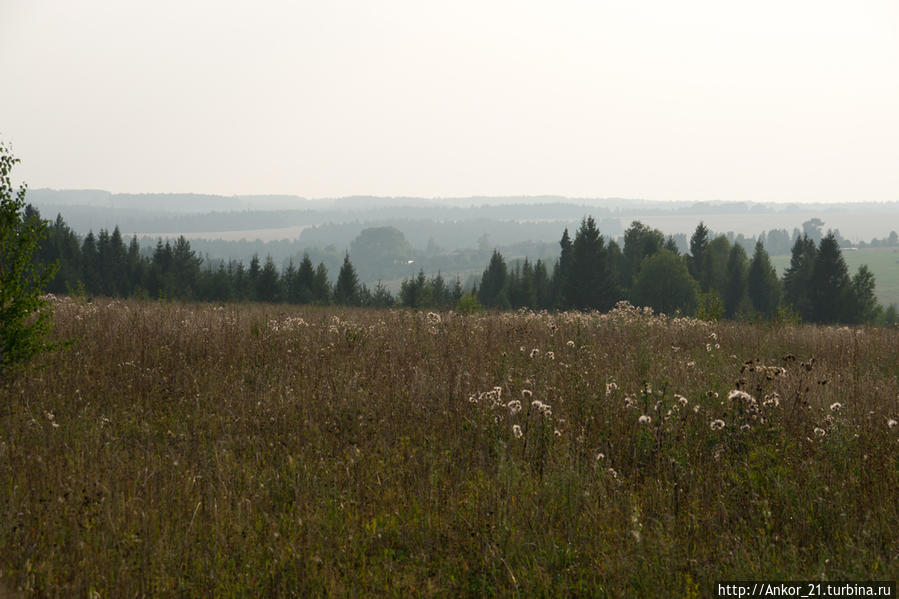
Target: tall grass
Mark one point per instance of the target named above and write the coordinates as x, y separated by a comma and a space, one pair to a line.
265, 451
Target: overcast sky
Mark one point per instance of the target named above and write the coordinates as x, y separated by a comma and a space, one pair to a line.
769, 100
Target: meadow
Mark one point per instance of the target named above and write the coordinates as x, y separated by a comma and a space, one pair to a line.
255, 450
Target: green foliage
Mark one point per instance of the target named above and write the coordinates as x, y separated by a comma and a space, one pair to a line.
829, 286
798, 275
590, 283
468, 304
763, 286
640, 241
734, 293
710, 307
346, 290
25, 317
696, 261
665, 284
493, 292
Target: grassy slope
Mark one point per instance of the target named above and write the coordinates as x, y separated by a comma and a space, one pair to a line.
252, 450
883, 262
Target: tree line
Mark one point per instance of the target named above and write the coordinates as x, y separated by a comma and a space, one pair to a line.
716, 279
103, 264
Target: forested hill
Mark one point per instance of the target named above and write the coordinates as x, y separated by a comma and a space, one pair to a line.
715, 279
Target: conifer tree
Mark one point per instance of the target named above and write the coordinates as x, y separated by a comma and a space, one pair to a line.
762, 284
696, 261
346, 290
734, 293
797, 278
590, 282
829, 286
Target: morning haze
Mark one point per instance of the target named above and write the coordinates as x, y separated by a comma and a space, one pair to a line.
477, 298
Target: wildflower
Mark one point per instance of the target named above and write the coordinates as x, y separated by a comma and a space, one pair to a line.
535, 352
891, 423
612, 473
514, 406
644, 419
546, 410
819, 431
570, 344
681, 400
557, 433
745, 428
550, 355
836, 406
611, 387
691, 364
736, 395
526, 393
600, 456
516, 430
696, 409
716, 425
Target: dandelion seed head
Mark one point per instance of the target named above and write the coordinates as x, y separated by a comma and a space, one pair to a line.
644, 419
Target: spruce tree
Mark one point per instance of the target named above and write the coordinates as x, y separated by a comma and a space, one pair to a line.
797, 278
696, 261
829, 286
562, 271
346, 290
305, 280
591, 284
762, 284
734, 293
494, 283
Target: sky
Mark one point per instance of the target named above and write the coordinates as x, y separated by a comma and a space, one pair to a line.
695, 100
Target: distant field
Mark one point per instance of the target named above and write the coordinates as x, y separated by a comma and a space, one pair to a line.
273, 234
883, 262
264, 451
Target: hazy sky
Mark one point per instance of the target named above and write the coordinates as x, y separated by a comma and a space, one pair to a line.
689, 100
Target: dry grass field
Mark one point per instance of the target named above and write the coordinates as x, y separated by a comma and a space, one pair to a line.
249, 450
